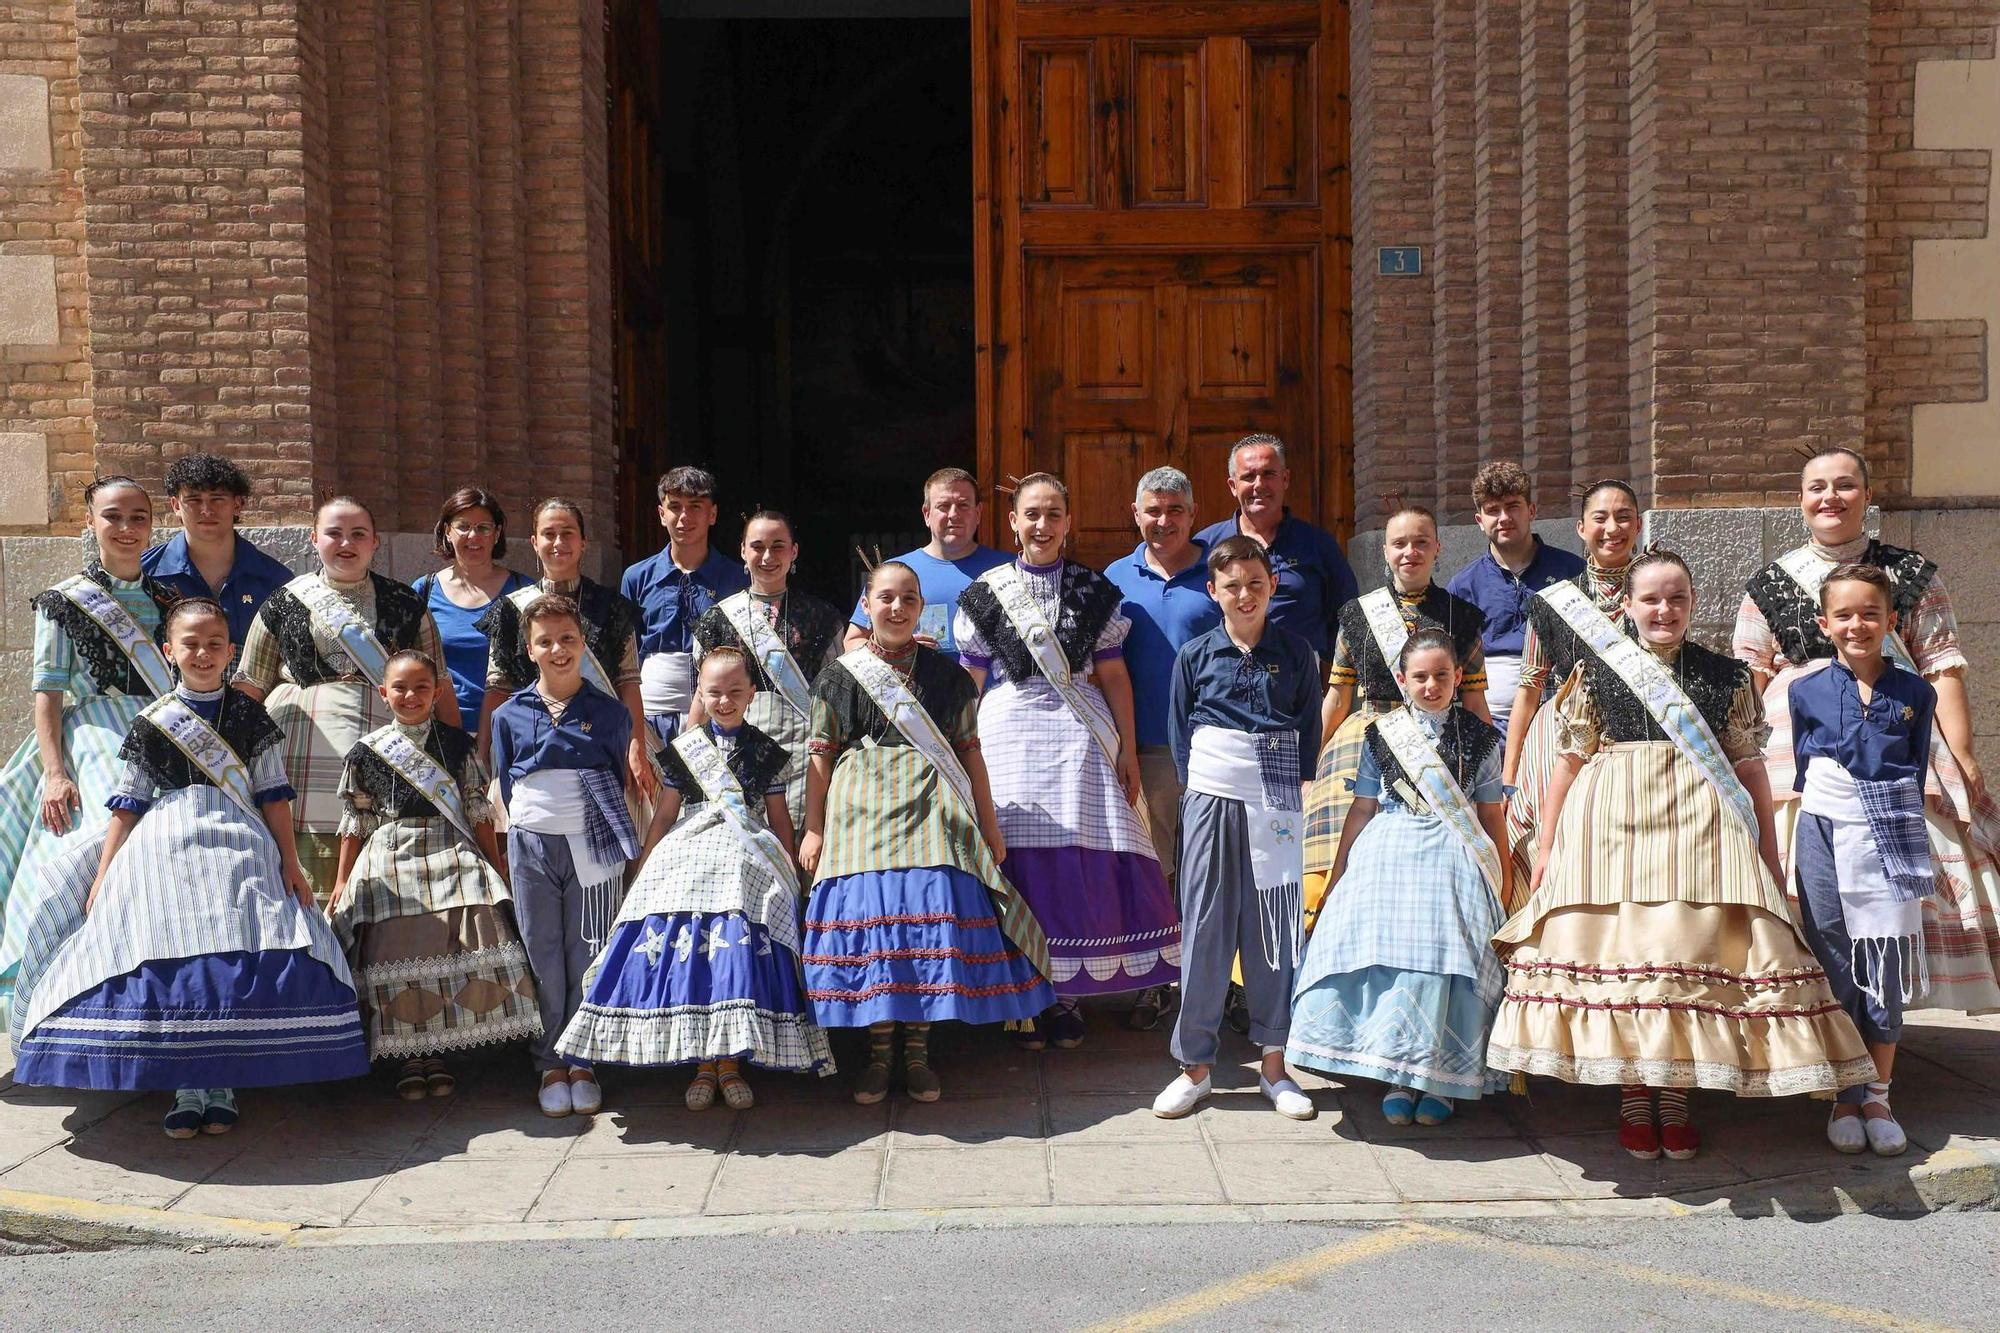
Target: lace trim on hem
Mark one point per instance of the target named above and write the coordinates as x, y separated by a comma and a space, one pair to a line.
512, 956
1683, 1073
490, 1032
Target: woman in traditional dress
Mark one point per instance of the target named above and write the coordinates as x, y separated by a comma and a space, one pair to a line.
1656, 950
96, 663
702, 967
425, 917
1778, 635
1045, 637
1400, 981
472, 534
192, 957
1373, 629
788, 637
316, 655
909, 921
1550, 651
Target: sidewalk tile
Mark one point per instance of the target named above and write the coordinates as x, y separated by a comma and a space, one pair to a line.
1324, 1171
1593, 1166
1238, 1117
1768, 1149
1134, 1173
493, 1132
827, 1127
1003, 1176
493, 1190
584, 1189
979, 1073
148, 1181
312, 1191
1113, 1119
1482, 1119
1132, 1073
622, 1131
1449, 1168
963, 1122
384, 1133
796, 1183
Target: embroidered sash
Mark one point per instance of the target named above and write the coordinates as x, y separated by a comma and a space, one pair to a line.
109, 615
908, 716
335, 618
1671, 709
204, 748
593, 668
1438, 791
1386, 623
1040, 638
1805, 568
719, 785
761, 638
415, 766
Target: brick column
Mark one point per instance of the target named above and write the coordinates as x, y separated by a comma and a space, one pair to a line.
1455, 264
1544, 120
1497, 162
1599, 303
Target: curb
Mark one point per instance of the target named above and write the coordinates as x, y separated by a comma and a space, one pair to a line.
83, 1225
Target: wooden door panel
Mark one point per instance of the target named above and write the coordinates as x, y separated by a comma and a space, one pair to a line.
1281, 100
1169, 131
1232, 343
1059, 166
1101, 468
1108, 337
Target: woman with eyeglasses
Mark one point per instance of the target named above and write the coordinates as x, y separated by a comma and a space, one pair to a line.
472, 533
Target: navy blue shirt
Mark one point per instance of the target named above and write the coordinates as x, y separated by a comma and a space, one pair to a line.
253, 577
1314, 580
1273, 687
1504, 595
1165, 613
593, 732
1887, 739
670, 599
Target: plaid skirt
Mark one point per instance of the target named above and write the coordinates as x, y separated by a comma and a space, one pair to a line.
1332, 793
321, 724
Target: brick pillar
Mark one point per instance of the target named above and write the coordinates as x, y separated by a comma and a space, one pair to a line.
1598, 301
1544, 119
1455, 286
1497, 161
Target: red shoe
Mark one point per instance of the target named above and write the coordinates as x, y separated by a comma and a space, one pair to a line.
1680, 1141
1642, 1141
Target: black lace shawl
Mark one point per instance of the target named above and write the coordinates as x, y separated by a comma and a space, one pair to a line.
608, 620
242, 722
396, 799
1793, 616
756, 761
1560, 645
1437, 609
1088, 601
100, 654
1709, 678
399, 618
1463, 742
940, 684
807, 625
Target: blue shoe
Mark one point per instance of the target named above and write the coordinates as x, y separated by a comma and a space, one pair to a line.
1065, 1025
1399, 1106
220, 1115
1433, 1110
184, 1120
1032, 1035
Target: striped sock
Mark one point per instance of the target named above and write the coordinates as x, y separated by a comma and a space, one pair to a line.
881, 1043
1635, 1104
916, 1043
1673, 1106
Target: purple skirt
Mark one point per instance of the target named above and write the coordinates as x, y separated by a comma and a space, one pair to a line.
1110, 918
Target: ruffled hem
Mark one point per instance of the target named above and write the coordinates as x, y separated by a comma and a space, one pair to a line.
690, 1034
1111, 922
1669, 1073
409, 1045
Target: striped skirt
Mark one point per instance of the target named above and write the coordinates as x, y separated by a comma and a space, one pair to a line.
1532, 772
1332, 793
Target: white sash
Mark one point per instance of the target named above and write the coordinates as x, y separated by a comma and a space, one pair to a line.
1386, 623
415, 766
1235, 766
1040, 637
335, 618
593, 668
1664, 700
1439, 791
909, 717
204, 748
109, 615
761, 638
1809, 571
710, 767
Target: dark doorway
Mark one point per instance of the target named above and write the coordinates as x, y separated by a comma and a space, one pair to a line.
798, 316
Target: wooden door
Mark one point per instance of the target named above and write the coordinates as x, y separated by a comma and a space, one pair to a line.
1163, 253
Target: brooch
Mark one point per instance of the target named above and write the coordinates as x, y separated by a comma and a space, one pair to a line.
1909, 713
583, 725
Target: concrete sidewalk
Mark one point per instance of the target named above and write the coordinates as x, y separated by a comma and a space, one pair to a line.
1018, 1139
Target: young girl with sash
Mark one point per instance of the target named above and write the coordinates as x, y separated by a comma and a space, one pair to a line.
315, 656
610, 631
702, 967
1373, 629
1656, 950
909, 920
1044, 635
193, 958
788, 637
1561, 618
96, 663
425, 916
1777, 633
1400, 982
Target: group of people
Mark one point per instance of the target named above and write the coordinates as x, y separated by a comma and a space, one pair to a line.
273, 828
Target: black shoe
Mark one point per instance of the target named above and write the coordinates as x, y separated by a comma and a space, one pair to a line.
1236, 1009
1154, 1004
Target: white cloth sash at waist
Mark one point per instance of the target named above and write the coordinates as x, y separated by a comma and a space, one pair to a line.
1868, 905
1503, 677
666, 683
550, 801
1228, 765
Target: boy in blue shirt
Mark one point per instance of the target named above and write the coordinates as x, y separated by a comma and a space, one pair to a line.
559, 750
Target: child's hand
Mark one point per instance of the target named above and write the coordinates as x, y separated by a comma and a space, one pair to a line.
91, 900
301, 887
996, 840
1975, 781
1541, 869
810, 847
640, 766
1128, 774
333, 902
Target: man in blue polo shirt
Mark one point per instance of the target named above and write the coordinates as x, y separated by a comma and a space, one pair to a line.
947, 564
1502, 583
673, 590
208, 557
1314, 579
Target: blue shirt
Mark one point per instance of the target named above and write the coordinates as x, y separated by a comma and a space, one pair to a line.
670, 599
593, 733
1887, 739
252, 577
1314, 580
1273, 687
941, 581
1165, 613
1504, 596
466, 647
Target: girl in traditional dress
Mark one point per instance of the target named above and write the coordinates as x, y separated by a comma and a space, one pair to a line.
1550, 651
316, 654
1400, 982
702, 967
1656, 950
96, 664
1778, 634
1046, 637
425, 917
610, 631
1373, 629
910, 920
787, 637
194, 959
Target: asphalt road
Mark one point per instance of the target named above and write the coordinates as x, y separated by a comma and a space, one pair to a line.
1941, 1271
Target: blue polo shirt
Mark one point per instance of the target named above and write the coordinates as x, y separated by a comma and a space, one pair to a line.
670, 599
1887, 739
253, 577
1313, 576
1504, 596
1165, 614
593, 732
1273, 687
941, 581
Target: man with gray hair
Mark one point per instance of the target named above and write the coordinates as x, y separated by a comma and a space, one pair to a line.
1314, 579
1165, 582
